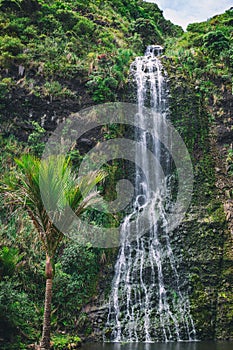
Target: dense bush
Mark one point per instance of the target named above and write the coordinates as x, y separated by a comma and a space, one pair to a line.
86, 45
56, 38
215, 42
148, 31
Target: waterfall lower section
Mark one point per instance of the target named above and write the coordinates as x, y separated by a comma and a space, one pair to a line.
148, 301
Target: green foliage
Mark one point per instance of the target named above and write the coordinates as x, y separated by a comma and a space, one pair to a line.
9, 258
111, 76
199, 65
67, 18
75, 281
55, 38
35, 139
20, 274
204, 54
61, 342
10, 148
17, 313
24, 188
229, 161
74, 262
54, 178
89, 45
11, 45
11, 4
84, 27
55, 90
10, 48
5, 87
215, 42
148, 31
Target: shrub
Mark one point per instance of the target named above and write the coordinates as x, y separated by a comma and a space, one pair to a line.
61, 342
9, 257
17, 313
148, 31
35, 139
5, 86
54, 89
48, 24
215, 42
84, 27
67, 18
11, 45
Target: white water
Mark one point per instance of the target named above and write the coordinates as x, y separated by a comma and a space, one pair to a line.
147, 302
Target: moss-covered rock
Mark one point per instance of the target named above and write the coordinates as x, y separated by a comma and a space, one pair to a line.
201, 111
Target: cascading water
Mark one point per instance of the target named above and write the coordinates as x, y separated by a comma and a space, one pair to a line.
147, 302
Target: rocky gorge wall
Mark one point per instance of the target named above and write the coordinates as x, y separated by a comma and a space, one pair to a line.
202, 244
206, 233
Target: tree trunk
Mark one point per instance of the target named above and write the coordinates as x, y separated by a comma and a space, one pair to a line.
45, 341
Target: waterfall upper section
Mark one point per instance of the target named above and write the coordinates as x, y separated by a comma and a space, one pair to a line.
149, 301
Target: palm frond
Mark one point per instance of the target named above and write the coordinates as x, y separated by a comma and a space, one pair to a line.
46, 189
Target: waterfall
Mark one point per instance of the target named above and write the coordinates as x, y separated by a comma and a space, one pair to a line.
147, 301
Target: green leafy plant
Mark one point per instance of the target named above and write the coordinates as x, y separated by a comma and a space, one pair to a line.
61, 188
61, 342
9, 258
148, 31
230, 161
215, 42
54, 89
10, 48
35, 139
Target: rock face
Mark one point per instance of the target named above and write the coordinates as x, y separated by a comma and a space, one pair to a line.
19, 108
206, 233
221, 147
93, 316
202, 244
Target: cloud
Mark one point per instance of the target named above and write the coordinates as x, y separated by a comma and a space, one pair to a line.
179, 17
183, 12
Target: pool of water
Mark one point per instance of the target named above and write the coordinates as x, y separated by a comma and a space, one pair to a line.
161, 346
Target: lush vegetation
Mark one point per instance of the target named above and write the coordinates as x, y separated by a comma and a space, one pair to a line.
57, 57
74, 51
200, 66
55, 45
205, 52
202, 60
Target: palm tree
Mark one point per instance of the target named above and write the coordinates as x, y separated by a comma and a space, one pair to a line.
46, 189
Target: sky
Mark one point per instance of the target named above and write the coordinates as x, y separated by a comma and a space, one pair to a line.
183, 12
